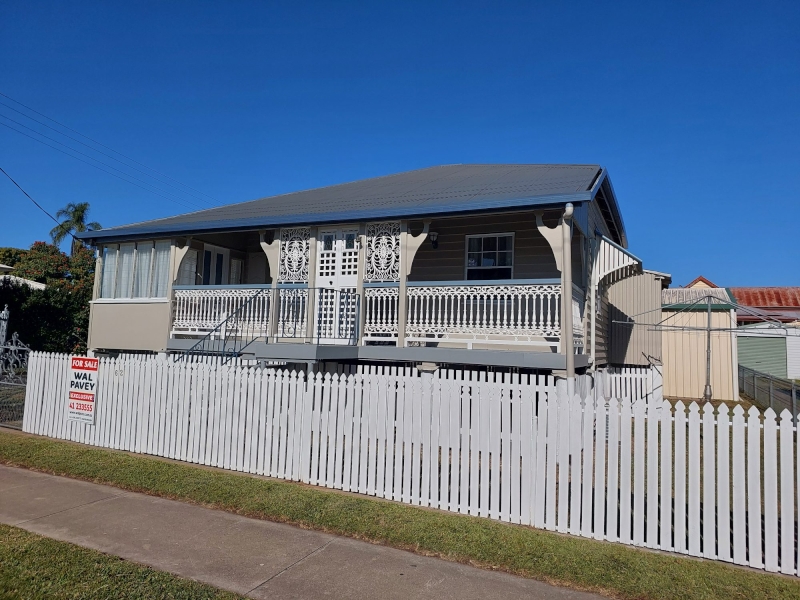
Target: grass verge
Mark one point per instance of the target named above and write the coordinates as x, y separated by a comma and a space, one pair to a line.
613, 569
33, 567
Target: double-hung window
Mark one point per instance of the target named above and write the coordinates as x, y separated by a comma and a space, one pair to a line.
490, 256
135, 270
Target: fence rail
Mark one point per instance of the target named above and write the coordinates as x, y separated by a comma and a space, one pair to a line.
694, 479
767, 391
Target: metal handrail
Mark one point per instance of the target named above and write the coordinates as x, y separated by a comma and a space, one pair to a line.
222, 328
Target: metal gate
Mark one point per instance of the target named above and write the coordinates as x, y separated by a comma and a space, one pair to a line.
13, 375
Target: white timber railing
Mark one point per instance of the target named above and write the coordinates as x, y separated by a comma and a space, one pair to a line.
518, 313
199, 310
514, 313
693, 479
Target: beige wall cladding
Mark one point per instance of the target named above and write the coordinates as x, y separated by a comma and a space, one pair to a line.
637, 298
533, 258
684, 355
133, 326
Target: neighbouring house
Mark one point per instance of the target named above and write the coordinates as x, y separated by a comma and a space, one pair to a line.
498, 265
772, 303
5, 271
769, 339
685, 315
770, 347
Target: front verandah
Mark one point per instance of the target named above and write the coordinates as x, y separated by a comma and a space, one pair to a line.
468, 314
359, 285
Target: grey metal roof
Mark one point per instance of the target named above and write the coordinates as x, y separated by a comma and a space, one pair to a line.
448, 189
683, 296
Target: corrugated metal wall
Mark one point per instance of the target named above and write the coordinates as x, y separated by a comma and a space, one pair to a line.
636, 298
793, 357
684, 355
764, 353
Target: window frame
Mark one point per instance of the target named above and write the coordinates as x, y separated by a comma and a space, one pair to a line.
482, 236
152, 251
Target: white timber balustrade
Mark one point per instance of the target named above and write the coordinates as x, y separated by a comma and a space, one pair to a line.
199, 310
524, 313
518, 313
694, 479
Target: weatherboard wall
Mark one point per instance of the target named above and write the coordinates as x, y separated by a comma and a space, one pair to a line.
634, 309
533, 257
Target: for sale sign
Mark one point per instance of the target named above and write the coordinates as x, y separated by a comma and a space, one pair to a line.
82, 389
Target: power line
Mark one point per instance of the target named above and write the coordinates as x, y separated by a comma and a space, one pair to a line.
39, 206
91, 148
99, 144
96, 167
90, 157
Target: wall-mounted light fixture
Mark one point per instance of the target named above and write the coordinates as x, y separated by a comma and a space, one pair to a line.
434, 239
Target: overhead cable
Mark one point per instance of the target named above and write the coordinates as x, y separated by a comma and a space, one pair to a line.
96, 142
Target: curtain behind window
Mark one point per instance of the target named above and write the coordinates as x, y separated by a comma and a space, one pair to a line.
161, 269
144, 258
109, 275
125, 272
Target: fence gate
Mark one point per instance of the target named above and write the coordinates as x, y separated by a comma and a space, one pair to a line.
13, 375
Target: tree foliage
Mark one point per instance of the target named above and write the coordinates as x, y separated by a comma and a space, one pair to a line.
55, 319
73, 220
44, 263
11, 256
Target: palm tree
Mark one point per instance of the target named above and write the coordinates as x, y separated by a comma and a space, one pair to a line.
73, 220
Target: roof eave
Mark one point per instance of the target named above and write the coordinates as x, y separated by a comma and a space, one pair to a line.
613, 205
452, 209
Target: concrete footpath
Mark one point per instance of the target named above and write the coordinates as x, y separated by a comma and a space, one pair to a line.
251, 557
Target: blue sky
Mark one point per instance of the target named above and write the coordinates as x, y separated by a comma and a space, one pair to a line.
693, 108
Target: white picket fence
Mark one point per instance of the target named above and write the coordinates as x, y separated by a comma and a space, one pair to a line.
699, 482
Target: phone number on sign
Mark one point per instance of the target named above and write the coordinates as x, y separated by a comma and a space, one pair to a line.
81, 406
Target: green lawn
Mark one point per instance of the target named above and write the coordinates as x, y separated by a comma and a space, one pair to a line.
33, 567
613, 569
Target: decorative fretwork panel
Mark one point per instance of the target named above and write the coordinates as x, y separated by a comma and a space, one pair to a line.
383, 252
294, 255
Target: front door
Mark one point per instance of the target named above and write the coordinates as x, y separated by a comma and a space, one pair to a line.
337, 275
215, 265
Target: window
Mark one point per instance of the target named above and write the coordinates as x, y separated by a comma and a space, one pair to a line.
135, 270
490, 256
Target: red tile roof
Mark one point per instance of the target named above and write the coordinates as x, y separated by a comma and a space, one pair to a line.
767, 297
